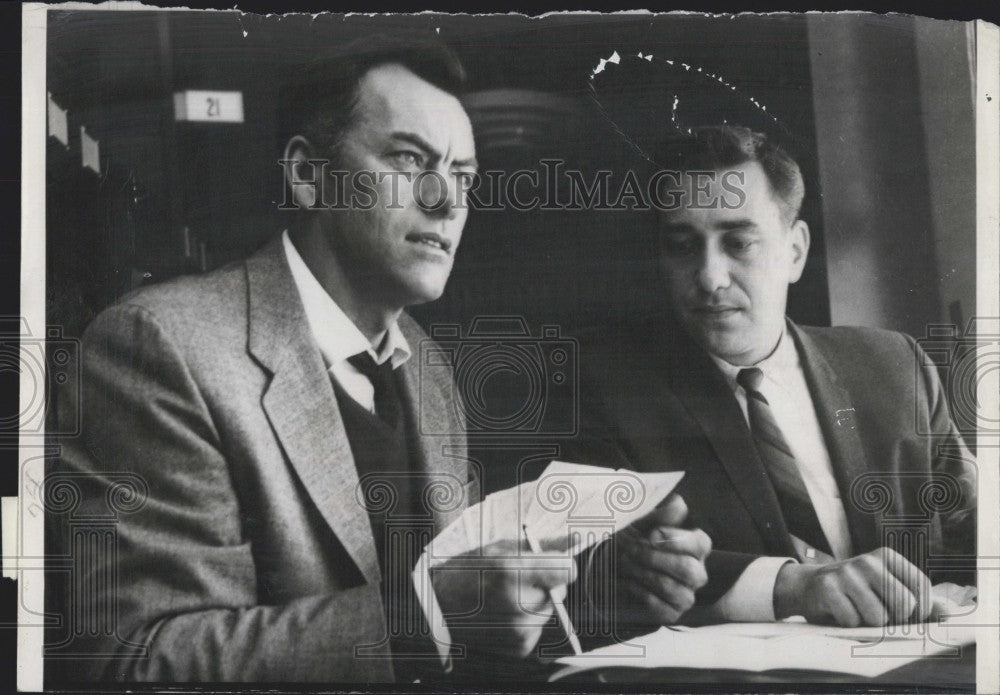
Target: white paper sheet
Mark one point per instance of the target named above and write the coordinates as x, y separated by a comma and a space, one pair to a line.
762, 647
564, 500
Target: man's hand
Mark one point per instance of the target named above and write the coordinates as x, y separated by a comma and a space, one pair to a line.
498, 602
659, 565
876, 588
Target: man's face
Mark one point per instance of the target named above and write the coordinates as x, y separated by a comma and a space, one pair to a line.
728, 268
400, 251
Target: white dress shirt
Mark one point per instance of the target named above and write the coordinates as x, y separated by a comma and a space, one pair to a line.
785, 388
337, 336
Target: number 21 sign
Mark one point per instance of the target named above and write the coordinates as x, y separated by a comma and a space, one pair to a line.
208, 106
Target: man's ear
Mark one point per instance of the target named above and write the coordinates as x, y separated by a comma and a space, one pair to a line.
799, 241
301, 177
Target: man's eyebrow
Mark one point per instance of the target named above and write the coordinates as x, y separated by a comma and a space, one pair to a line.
418, 141
470, 162
737, 225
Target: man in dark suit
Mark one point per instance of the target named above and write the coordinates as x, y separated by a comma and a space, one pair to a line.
803, 448
254, 434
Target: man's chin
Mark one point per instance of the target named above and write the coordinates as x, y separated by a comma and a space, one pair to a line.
423, 292
715, 341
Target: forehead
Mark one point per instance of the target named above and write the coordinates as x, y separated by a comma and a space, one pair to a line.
391, 98
721, 197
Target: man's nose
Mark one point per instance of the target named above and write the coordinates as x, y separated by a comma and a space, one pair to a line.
712, 273
435, 194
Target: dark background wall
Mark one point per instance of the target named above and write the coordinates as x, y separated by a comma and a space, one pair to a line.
896, 135
184, 197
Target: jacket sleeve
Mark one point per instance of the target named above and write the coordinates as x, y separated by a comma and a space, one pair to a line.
169, 592
953, 493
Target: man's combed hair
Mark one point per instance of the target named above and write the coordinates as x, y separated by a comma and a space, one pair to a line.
710, 148
320, 98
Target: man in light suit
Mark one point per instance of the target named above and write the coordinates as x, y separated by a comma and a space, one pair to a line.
803, 448
256, 434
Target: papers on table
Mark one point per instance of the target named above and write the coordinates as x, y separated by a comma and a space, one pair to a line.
758, 647
568, 508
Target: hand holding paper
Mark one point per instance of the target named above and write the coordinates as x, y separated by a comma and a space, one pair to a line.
493, 591
660, 567
566, 498
500, 587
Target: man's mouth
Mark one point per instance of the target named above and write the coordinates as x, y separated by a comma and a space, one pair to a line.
714, 310
435, 241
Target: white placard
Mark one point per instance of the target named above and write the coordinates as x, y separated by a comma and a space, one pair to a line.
58, 122
208, 106
90, 152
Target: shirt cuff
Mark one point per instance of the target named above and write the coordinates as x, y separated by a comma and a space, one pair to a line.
751, 598
424, 590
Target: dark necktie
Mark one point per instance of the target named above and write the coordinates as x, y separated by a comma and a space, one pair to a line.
400, 533
386, 399
796, 506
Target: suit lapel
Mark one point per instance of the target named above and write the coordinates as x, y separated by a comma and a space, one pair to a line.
702, 389
301, 406
836, 415
440, 439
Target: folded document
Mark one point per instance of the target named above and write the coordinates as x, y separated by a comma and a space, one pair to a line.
568, 508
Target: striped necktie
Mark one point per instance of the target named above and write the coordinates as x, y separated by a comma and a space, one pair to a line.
796, 506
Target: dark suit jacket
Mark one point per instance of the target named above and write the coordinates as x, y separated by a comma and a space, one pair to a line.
651, 400
214, 456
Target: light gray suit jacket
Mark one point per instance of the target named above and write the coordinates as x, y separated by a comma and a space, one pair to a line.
239, 549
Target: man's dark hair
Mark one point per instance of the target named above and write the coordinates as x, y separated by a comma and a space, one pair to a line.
319, 101
710, 148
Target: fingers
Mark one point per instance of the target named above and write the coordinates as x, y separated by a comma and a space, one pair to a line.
649, 605
872, 589
868, 605
508, 592
531, 605
674, 540
915, 582
839, 608
664, 587
523, 585
661, 570
545, 570
898, 600
686, 569
559, 593
671, 512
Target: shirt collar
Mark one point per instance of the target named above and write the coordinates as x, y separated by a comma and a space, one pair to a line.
780, 360
337, 336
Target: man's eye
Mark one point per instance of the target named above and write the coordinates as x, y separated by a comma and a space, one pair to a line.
407, 158
739, 245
